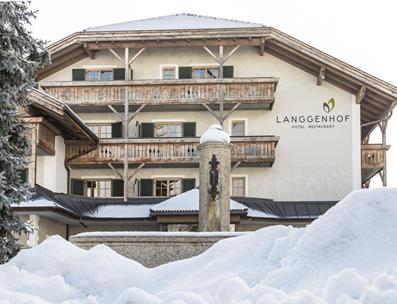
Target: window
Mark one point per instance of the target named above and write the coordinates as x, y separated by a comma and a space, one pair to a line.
167, 187
96, 75
171, 129
205, 72
238, 186
169, 72
101, 188
238, 128
101, 130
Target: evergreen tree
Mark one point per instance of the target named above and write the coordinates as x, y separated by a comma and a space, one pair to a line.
21, 56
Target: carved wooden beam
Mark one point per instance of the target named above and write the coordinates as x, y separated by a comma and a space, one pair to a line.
360, 95
262, 46
321, 76
90, 53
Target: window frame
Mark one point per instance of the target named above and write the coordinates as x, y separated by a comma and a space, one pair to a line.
244, 120
206, 68
169, 66
97, 189
168, 179
156, 123
99, 125
245, 186
100, 71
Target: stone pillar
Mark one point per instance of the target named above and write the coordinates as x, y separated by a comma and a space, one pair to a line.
214, 215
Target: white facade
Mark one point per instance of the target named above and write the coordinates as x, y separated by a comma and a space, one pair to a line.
51, 170
321, 163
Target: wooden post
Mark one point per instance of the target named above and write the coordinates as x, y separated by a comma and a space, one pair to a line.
33, 157
126, 120
383, 127
221, 59
221, 87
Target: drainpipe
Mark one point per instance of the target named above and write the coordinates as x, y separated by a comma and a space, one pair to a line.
68, 177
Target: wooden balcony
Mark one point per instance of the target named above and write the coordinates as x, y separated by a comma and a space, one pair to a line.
171, 152
372, 160
247, 91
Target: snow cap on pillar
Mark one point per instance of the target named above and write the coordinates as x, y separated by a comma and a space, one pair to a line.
215, 133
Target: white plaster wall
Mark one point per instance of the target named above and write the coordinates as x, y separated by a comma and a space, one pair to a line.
311, 164
51, 172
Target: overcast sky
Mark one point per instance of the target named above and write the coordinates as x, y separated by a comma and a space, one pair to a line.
361, 33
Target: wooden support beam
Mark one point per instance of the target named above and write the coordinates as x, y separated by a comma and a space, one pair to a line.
116, 55
136, 112
360, 95
90, 53
231, 53
211, 53
235, 166
136, 171
213, 113
115, 112
262, 46
115, 170
231, 111
136, 56
221, 87
321, 76
125, 123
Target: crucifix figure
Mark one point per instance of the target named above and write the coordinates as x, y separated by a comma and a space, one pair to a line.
214, 177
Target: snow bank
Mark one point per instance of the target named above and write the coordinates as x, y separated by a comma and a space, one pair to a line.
347, 256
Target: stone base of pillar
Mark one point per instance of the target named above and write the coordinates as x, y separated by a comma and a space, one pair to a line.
214, 215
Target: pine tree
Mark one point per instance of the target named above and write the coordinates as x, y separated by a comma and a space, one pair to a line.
21, 56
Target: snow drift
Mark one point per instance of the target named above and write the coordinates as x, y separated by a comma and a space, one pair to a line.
348, 256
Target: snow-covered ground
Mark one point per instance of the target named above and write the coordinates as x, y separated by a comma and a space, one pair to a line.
348, 256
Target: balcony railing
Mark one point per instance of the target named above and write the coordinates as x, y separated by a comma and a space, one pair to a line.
180, 91
372, 159
248, 150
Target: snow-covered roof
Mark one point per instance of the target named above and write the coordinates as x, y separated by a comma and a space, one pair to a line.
189, 201
174, 22
121, 211
143, 207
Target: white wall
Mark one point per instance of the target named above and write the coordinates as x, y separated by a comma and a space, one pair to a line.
311, 163
51, 172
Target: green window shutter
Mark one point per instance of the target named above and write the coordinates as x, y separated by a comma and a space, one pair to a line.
77, 186
119, 74
146, 187
117, 129
147, 130
189, 129
78, 74
132, 74
228, 71
117, 187
188, 184
185, 72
